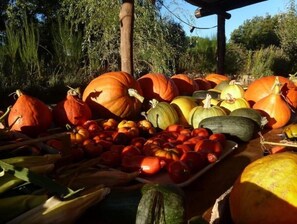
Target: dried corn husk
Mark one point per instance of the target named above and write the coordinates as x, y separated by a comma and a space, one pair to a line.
55, 211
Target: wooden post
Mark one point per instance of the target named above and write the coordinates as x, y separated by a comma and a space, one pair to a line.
221, 44
126, 45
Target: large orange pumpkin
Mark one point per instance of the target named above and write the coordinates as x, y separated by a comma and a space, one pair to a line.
72, 110
158, 86
114, 95
185, 84
261, 87
266, 191
29, 115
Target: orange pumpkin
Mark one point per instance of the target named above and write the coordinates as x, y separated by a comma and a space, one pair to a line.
261, 87
216, 79
114, 95
185, 84
71, 110
274, 108
29, 115
158, 86
203, 84
266, 191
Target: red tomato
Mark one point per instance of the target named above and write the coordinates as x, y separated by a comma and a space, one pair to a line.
201, 132
175, 128
195, 160
147, 165
120, 138
117, 148
183, 148
138, 141
220, 137
209, 146
111, 158
182, 138
179, 171
130, 150
91, 148
93, 127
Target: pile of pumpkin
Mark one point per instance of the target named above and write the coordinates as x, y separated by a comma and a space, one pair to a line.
155, 103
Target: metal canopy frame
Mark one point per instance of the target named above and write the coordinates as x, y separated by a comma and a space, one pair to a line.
220, 8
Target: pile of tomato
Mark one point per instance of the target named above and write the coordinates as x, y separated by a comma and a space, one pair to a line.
137, 146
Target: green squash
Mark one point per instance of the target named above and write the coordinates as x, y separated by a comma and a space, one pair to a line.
162, 114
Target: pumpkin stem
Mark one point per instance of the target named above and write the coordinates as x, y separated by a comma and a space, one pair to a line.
153, 103
5, 114
229, 97
74, 91
276, 88
207, 103
134, 93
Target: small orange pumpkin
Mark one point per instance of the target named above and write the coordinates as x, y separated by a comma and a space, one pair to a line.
29, 115
71, 110
185, 84
114, 95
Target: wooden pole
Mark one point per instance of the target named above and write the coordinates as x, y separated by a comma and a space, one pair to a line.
221, 44
126, 45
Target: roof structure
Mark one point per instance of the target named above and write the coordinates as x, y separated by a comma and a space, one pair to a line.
220, 8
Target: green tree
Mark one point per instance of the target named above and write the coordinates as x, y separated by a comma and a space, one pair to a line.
200, 56
287, 33
257, 33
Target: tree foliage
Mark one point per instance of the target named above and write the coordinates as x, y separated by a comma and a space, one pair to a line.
257, 33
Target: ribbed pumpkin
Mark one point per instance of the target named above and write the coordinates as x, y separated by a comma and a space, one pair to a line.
261, 87
162, 114
29, 115
158, 86
72, 110
266, 191
274, 108
231, 103
183, 105
114, 95
236, 90
216, 79
198, 113
185, 84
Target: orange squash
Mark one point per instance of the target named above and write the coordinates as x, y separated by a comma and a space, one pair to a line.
261, 87
158, 86
29, 115
114, 95
274, 108
71, 110
216, 79
185, 84
266, 191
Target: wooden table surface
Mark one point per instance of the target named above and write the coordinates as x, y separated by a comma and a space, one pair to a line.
203, 192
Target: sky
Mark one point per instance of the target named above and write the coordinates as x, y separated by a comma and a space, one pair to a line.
183, 13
